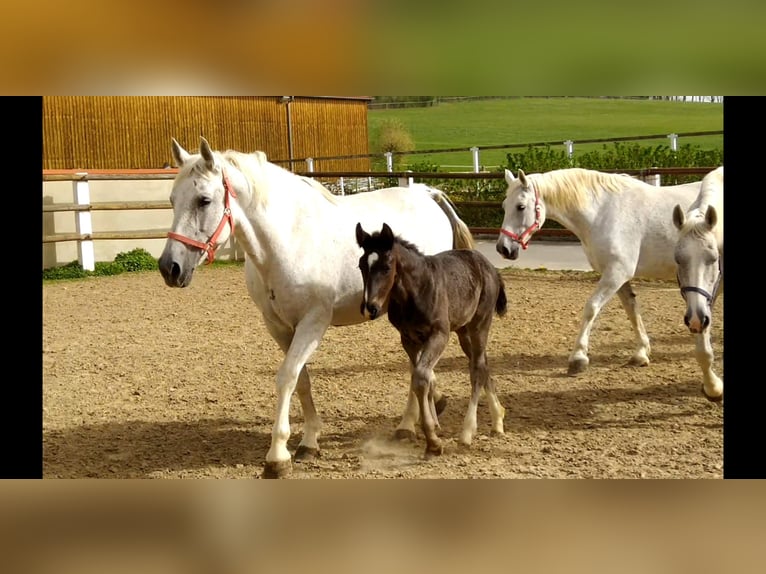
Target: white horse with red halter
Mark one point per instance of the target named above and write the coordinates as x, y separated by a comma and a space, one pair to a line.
301, 258
699, 260
623, 225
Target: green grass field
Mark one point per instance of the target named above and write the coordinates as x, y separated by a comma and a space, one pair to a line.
531, 120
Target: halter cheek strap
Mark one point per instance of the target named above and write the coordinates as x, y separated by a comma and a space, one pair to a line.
209, 248
526, 235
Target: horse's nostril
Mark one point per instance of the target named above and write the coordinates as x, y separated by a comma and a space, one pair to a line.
686, 320
503, 250
372, 310
705, 321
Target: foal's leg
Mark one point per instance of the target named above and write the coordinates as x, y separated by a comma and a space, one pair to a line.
605, 290
480, 379
308, 334
422, 385
712, 385
629, 302
406, 428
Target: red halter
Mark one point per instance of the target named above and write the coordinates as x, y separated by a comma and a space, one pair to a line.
212, 244
526, 235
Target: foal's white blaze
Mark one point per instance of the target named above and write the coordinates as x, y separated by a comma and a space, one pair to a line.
371, 259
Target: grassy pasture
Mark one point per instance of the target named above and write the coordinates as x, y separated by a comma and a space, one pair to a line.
531, 120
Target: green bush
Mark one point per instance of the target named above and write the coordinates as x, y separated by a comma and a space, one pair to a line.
136, 260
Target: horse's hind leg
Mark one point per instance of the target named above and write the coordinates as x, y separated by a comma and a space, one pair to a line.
712, 385
308, 449
605, 290
629, 302
480, 379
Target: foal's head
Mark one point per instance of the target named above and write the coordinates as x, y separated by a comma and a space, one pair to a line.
378, 269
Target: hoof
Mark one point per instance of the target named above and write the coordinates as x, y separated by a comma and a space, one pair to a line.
279, 469
717, 399
306, 453
440, 405
577, 367
494, 432
436, 449
638, 362
404, 434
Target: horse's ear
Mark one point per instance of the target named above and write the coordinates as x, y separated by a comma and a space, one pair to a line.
509, 179
361, 235
523, 178
386, 233
180, 155
711, 216
207, 154
678, 216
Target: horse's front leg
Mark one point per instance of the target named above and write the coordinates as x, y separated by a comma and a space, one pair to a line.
422, 385
406, 428
308, 334
712, 385
629, 302
605, 290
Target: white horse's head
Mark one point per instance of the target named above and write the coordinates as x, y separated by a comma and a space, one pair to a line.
202, 196
524, 215
698, 265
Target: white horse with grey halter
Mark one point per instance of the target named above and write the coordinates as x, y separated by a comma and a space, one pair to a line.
301, 258
699, 260
623, 225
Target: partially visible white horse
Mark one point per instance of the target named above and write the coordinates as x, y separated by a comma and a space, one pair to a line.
301, 266
699, 260
622, 224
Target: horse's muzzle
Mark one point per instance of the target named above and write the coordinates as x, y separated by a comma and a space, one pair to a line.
171, 272
373, 311
502, 249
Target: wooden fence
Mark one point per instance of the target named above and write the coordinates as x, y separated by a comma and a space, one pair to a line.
82, 207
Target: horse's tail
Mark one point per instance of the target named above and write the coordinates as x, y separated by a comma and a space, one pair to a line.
501, 305
462, 238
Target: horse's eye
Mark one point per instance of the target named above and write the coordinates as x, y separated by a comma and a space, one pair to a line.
203, 201
521, 207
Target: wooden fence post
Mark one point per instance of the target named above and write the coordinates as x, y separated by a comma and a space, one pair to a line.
85, 252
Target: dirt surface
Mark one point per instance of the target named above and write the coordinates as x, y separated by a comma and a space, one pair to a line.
144, 381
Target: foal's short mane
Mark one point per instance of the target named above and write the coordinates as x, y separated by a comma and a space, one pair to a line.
256, 167
573, 188
375, 243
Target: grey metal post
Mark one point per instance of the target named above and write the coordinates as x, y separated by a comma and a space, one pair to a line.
673, 142
310, 164
569, 144
389, 161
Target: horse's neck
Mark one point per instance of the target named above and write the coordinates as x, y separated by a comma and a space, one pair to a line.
568, 214
410, 277
276, 207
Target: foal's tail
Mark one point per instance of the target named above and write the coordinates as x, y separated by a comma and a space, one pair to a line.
462, 238
501, 305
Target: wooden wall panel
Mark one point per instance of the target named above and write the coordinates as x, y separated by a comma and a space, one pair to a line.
128, 132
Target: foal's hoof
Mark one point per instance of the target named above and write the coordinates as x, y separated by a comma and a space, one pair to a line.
714, 399
576, 367
279, 469
306, 453
436, 449
440, 405
404, 434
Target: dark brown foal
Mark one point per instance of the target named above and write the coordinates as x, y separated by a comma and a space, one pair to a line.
427, 297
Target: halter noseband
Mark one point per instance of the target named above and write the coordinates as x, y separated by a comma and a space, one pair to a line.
526, 235
212, 244
708, 296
